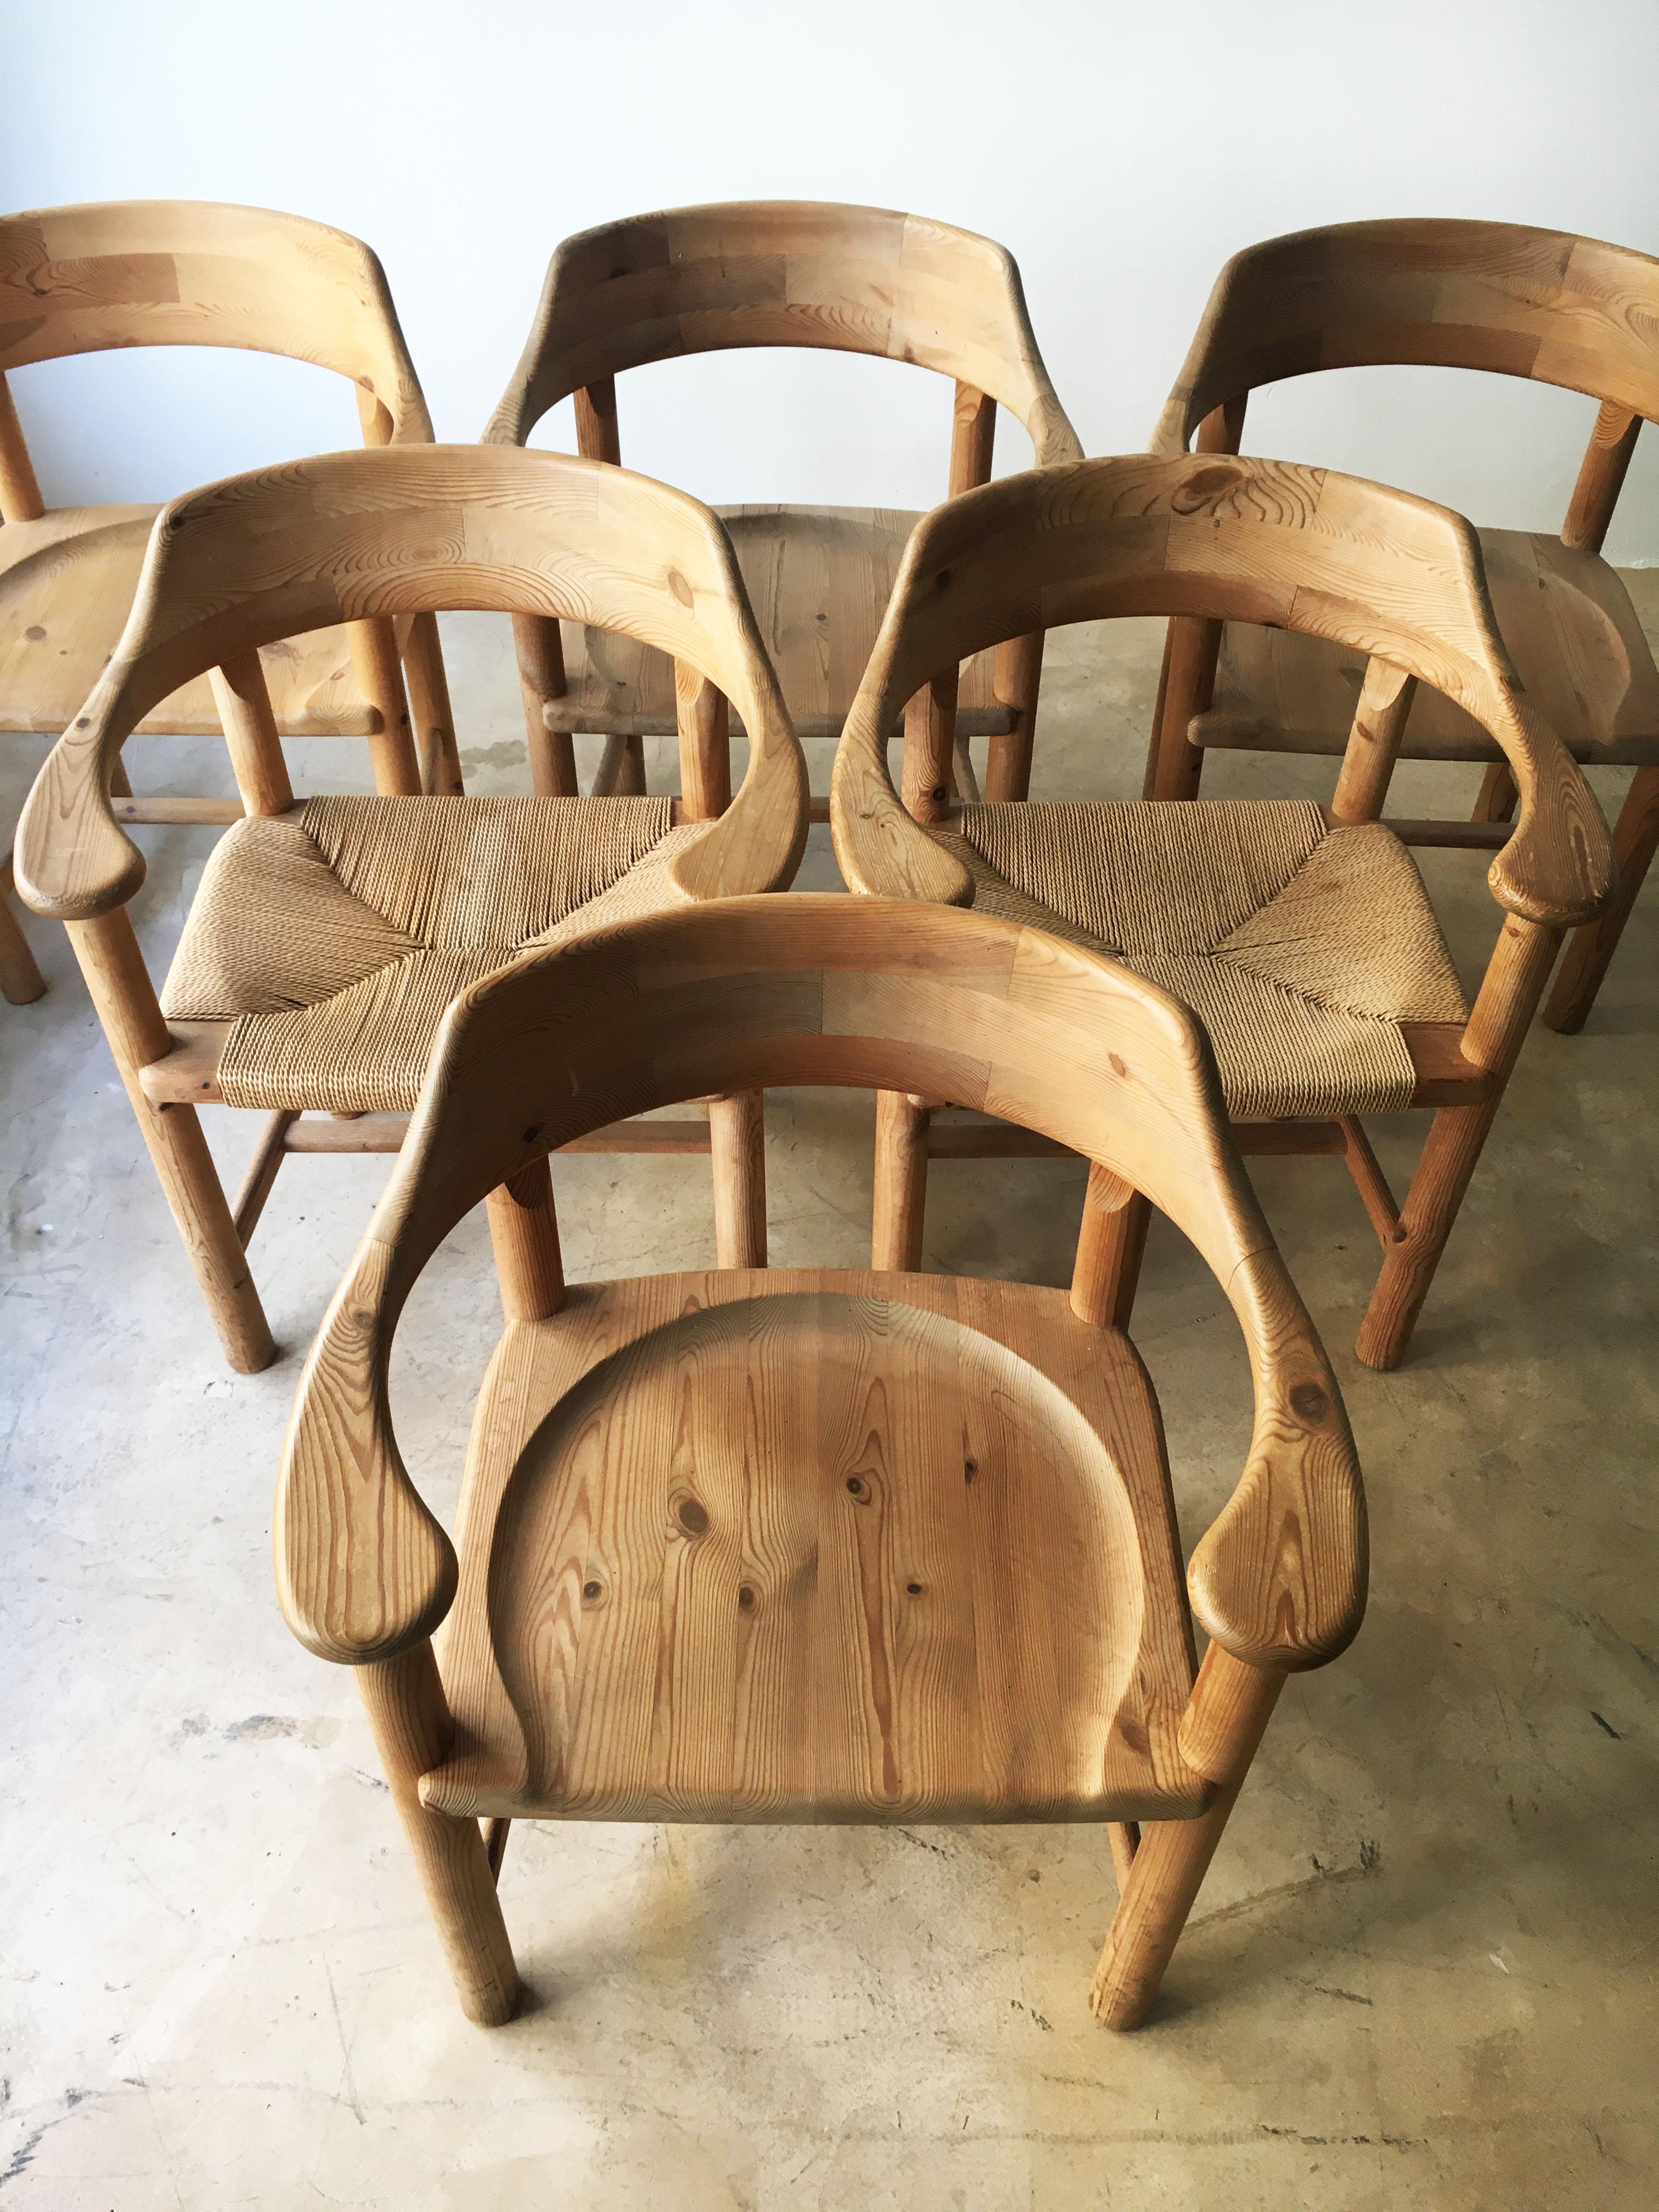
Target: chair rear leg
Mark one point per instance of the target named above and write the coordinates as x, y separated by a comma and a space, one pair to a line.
901, 1124
413, 1730
1171, 1858
122, 993
1589, 949
737, 1144
20, 980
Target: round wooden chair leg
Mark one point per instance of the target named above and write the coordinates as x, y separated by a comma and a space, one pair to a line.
20, 980
902, 1127
525, 1232
413, 1729
1168, 1861
1589, 949
737, 1144
1454, 1139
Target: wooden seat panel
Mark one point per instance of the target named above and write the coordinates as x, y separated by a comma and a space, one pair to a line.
66, 586
1576, 639
817, 1546
819, 579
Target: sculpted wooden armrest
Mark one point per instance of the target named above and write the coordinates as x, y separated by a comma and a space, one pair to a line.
363, 1570
883, 851
1280, 1578
73, 861
1558, 868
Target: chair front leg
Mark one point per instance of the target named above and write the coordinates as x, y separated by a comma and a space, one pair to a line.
125, 1000
737, 1144
1635, 839
1497, 1029
902, 1126
1232, 1705
413, 1731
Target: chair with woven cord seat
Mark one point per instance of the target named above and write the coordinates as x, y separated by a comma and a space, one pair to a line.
820, 1545
124, 273
327, 939
779, 273
1545, 305
1303, 936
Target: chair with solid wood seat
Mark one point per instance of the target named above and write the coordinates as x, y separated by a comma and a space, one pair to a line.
327, 938
123, 273
1303, 936
1562, 310
817, 1545
780, 273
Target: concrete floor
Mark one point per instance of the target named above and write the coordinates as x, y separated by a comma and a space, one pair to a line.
1421, 1974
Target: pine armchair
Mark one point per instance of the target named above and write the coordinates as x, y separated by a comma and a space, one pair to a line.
1542, 304
1304, 937
779, 273
327, 939
812, 1544
124, 273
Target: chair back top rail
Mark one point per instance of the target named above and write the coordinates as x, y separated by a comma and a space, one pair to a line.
1542, 304
1240, 540
345, 537
748, 993
784, 273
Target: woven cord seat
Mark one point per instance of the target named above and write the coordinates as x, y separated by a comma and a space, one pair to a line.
1303, 949
335, 938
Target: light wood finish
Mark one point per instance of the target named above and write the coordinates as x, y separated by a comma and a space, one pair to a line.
1110, 1247
413, 1731
250, 727
20, 980
901, 1150
785, 273
369, 538
525, 1233
1379, 721
118, 274
119, 988
810, 1545
1545, 305
1216, 538
1590, 950
737, 1142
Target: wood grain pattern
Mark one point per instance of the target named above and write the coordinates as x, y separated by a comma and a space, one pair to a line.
823, 1545
1207, 538
780, 273
118, 274
1559, 309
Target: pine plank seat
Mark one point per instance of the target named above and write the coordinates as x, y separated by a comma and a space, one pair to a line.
817, 1545
1303, 936
818, 579
326, 938
757, 273
1511, 301
907, 1553
67, 581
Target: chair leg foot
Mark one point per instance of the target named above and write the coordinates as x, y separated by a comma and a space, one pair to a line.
202, 1211
736, 1143
901, 1182
1590, 950
413, 1729
20, 980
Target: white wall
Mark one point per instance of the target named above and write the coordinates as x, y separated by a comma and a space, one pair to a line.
1121, 151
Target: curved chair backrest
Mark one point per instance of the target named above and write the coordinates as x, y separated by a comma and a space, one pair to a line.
783, 273
1542, 304
1212, 535
742, 993
345, 537
120, 273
